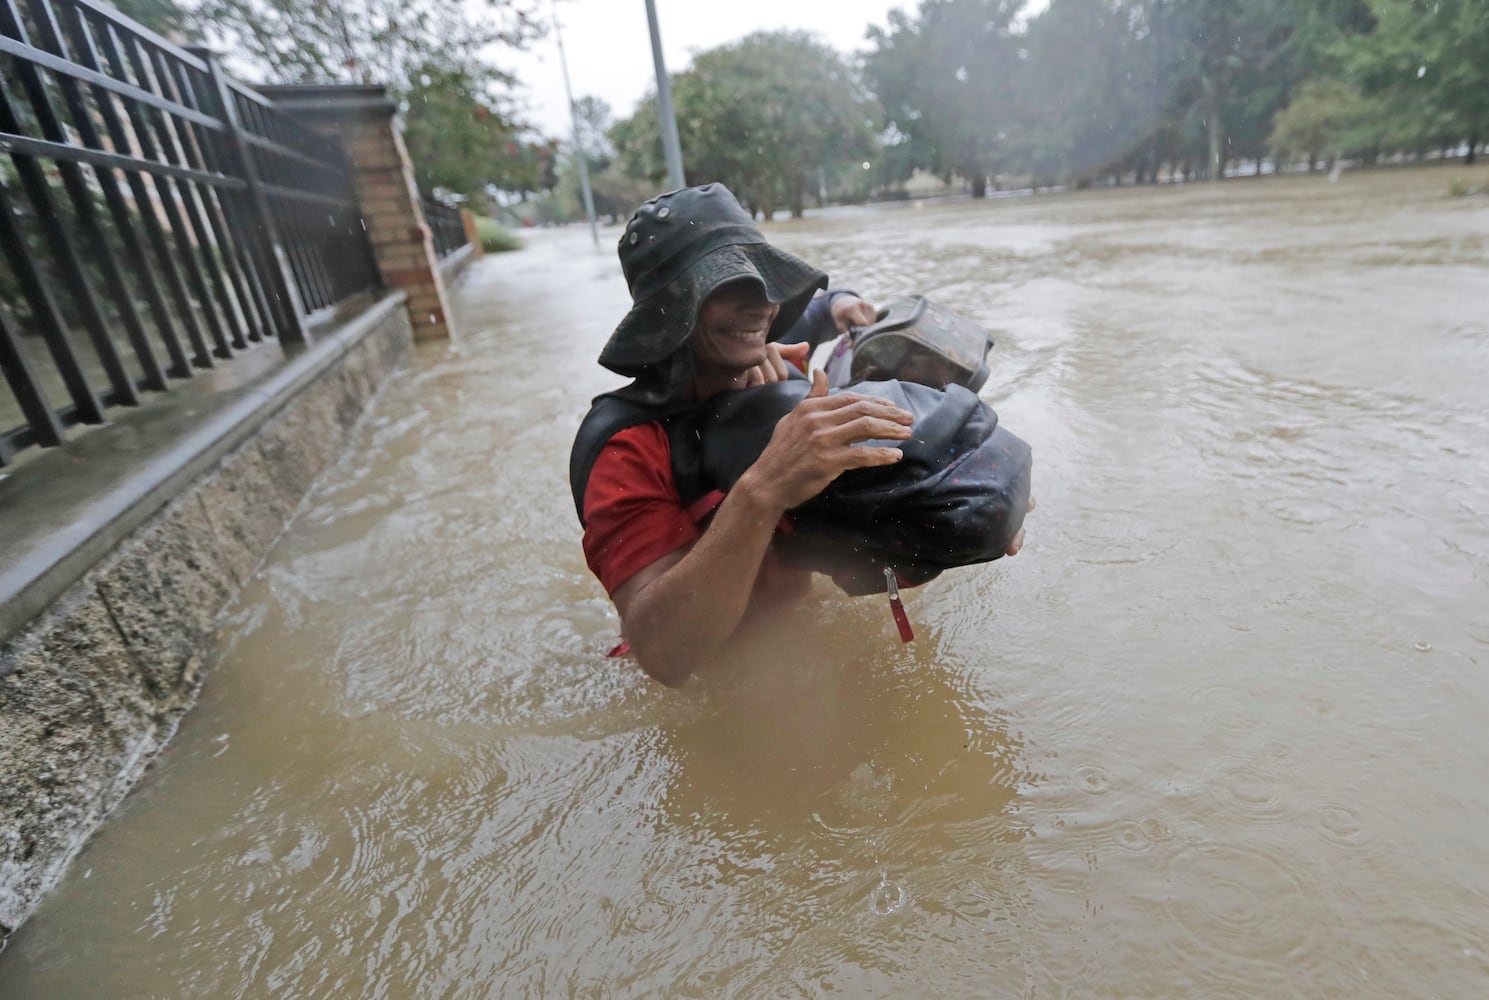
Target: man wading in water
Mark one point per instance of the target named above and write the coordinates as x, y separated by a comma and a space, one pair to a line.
711, 299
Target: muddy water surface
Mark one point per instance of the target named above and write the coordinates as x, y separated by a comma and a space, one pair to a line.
1219, 731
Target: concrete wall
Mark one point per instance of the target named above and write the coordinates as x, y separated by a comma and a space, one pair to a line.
94, 687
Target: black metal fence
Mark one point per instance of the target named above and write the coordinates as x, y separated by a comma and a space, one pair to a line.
446, 227
155, 217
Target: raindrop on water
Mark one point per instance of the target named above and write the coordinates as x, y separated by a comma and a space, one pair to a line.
1423, 647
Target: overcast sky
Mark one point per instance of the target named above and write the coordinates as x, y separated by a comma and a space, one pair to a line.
609, 48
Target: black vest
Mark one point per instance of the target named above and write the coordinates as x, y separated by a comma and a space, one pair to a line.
609, 415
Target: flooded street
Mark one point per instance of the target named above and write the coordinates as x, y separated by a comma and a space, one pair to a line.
1220, 731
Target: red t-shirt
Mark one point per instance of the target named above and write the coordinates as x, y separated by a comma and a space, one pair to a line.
634, 516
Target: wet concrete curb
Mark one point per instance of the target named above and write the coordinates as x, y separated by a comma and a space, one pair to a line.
120, 550
454, 267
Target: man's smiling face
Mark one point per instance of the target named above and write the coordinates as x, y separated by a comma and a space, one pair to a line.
729, 337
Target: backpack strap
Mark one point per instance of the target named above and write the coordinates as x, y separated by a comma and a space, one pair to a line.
608, 416
612, 413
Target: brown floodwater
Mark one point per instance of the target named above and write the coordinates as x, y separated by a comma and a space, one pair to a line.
1220, 730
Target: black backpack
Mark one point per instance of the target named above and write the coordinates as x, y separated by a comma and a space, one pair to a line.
957, 497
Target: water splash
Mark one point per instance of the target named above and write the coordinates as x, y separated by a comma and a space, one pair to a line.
887, 896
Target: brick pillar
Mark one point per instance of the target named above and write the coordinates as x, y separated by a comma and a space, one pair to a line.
364, 119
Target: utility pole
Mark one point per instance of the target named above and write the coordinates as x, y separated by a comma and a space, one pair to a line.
579, 153
670, 146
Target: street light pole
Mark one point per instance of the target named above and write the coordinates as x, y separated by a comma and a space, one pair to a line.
670, 146
589, 199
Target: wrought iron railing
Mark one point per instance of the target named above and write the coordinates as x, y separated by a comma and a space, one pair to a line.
446, 227
156, 218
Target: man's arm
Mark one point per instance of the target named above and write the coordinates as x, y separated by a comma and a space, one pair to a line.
827, 315
683, 608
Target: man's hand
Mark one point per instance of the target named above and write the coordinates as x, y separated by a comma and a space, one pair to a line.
818, 441
779, 359
850, 311
1018, 540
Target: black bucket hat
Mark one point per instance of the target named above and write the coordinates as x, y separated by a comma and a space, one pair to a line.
677, 250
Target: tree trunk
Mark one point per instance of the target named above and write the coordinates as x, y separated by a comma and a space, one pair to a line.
979, 186
1473, 144
1212, 127
796, 197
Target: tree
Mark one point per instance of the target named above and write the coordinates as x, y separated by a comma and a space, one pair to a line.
761, 115
1226, 58
1322, 120
1424, 65
525, 166
455, 137
1094, 97
434, 55
616, 194
948, 81
593, 121
163, 16
389, 41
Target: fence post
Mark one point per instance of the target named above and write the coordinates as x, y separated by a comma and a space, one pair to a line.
364, 119
289, 307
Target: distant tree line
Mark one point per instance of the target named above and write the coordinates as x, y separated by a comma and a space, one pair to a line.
1084, 91
1081, 92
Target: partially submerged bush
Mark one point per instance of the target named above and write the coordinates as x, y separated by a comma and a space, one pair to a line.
496, 238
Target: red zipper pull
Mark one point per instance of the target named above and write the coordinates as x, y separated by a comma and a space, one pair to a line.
896, 608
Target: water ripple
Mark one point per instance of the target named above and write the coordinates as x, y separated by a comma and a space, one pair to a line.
1242, 903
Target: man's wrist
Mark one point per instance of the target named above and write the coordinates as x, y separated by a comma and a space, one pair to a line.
756, 491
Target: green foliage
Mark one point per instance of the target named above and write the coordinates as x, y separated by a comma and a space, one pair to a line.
496, 238
1095, 88
1228, 64
593, 121
616, 193
387, 41
761, 115
524, 165
1424, 66
949, 81
434, 55
163, 16
453, 133
1326, 117
1092, 95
